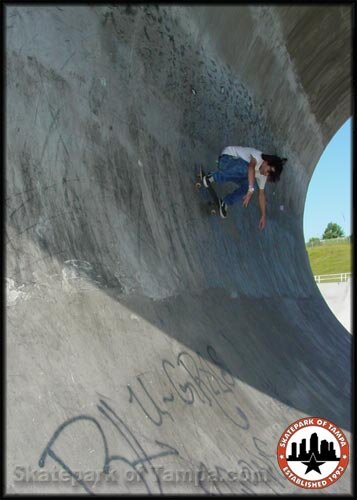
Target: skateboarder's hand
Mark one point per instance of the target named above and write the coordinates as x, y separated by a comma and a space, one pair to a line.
262, 223
247, 199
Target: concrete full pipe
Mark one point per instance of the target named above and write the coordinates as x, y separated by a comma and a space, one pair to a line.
141, 333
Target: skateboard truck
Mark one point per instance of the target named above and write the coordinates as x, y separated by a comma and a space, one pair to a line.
213, 205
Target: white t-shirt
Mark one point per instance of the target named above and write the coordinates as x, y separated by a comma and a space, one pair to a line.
245, 154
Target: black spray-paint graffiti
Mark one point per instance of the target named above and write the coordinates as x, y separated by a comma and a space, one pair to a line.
138, 465
203, 384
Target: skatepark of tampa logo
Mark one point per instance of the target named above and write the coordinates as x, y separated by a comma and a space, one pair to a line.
313, 453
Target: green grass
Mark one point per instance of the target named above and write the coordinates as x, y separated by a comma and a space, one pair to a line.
330, 259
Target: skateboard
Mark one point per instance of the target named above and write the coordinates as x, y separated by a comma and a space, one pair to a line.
213, 205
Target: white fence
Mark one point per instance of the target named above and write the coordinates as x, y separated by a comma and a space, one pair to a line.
331, 241
333, 278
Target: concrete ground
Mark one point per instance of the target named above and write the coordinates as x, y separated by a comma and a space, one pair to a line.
142, 335
338, 298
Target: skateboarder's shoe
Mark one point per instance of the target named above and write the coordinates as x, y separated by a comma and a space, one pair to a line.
207, 180
222, 209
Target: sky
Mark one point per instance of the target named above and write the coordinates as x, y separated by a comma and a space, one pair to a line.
329, 194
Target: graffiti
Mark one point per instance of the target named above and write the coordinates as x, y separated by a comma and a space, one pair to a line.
268, 462
204, 384
160, 413
193, 381
138, 465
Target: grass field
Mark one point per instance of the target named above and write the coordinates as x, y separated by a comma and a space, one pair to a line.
330, 259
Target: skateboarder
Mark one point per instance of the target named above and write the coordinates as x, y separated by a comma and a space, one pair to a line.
249, 168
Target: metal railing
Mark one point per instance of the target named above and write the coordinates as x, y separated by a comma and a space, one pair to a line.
333, 278
332, 241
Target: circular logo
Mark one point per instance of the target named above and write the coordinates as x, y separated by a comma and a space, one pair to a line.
313, 453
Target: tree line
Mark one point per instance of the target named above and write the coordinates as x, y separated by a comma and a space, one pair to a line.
332, 231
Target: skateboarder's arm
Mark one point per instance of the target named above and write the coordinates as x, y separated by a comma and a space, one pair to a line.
251, 171
251, 178
262, 202
262, 206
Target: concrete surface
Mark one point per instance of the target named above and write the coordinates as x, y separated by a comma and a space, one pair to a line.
140, 331
338, 298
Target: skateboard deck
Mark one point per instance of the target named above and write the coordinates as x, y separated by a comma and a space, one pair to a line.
213, 205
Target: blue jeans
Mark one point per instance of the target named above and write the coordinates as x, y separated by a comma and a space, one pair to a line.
231, 169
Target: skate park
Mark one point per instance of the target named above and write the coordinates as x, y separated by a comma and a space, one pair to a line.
338, 297
141, 332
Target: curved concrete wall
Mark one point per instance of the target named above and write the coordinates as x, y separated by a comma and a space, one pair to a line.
128, 307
